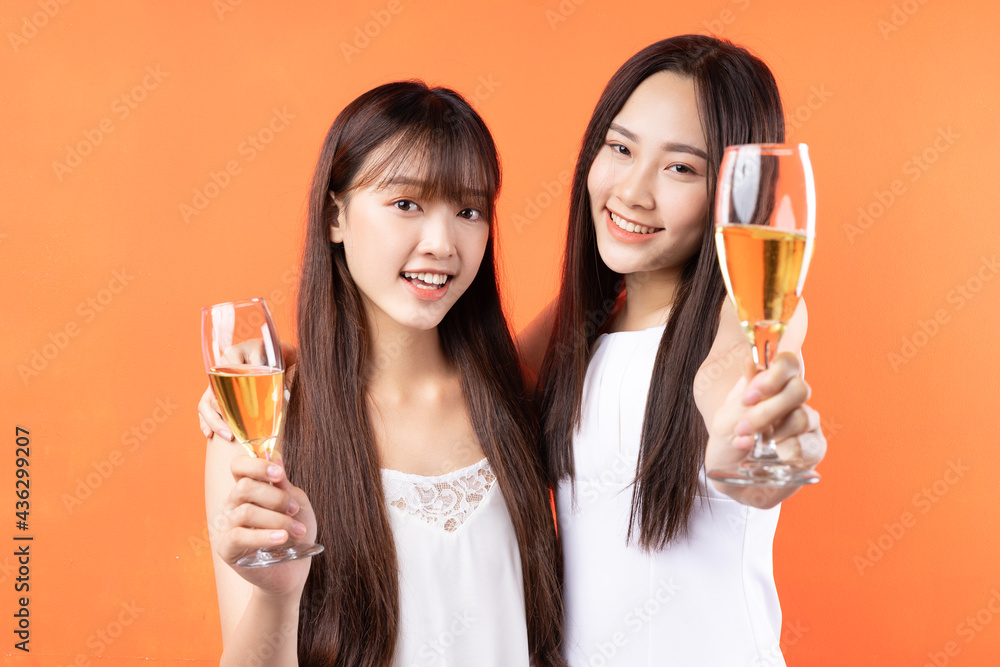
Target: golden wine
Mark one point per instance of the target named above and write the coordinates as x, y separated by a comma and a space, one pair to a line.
251, 399
763, 269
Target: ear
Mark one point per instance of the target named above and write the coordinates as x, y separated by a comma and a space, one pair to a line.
337, 222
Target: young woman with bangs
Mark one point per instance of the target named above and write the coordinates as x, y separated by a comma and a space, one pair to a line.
409, 448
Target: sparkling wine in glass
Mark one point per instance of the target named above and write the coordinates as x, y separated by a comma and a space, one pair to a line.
243, 358
765, 212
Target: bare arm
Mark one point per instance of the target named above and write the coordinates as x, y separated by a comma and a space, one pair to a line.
249, 506
737, 402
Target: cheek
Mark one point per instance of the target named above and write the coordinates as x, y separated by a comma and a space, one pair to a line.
691, 210
599, 180
474, 249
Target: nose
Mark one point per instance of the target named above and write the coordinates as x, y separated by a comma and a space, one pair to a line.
438, 236
634, 188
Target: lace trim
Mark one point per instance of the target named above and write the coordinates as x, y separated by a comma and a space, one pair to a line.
446, 500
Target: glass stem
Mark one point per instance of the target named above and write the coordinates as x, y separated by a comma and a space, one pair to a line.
764, 447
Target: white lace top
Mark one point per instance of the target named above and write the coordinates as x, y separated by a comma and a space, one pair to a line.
708, 600
461, 591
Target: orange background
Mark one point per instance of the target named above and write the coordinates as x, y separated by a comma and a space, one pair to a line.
869, 570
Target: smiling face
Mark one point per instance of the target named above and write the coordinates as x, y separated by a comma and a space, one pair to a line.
648, 188
411, 255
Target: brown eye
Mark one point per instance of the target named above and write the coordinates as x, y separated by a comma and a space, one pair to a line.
470, 214
618, 149
405, 205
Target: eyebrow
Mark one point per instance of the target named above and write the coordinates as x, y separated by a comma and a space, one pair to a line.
424, 186
669, 147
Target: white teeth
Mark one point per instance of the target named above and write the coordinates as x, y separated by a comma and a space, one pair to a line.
630, 226
432, 279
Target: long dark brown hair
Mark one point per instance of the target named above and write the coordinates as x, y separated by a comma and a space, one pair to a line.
349, 613
738, 103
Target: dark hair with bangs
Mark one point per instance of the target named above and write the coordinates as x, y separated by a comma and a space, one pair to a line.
349, 613
739, 103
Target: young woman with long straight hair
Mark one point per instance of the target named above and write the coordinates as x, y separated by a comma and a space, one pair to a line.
644, 383
407, 436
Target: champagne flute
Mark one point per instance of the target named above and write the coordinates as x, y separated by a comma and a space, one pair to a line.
243, 358
765, 213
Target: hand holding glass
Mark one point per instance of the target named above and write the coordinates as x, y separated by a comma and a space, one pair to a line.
765, 212
245, 368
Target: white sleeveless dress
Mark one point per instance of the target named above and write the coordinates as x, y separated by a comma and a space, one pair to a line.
708, 600
461, 593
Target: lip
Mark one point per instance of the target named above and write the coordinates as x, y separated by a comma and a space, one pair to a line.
426, 294
623, 235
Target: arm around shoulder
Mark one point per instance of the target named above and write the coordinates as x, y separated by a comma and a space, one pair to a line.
532, 341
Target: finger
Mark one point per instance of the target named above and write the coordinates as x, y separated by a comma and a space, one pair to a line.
252, 467
260, 485
257, 353
254, 516
804, 450
282, 482
796, 423
771, 411
204, 427
783, 368
261, 494
208, 410
238, 542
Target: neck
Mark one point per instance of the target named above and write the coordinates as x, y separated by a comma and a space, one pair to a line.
403, 358
649, 296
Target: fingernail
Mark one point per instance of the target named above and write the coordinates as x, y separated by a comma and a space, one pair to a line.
277, 535
744, 428
752, 396
226, 434
273, 471
298, 530
207, 432
743, 442
293, 507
